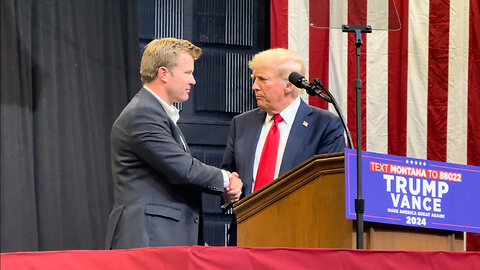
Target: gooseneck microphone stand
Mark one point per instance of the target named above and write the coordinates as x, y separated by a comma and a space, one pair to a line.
330, 99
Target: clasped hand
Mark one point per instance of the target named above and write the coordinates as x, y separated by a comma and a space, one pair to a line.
234, 190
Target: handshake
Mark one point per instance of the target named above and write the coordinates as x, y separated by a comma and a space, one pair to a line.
233, 191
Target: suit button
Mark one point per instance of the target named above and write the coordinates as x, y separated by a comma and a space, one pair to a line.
195, 220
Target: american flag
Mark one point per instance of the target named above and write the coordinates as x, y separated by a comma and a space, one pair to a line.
421, 84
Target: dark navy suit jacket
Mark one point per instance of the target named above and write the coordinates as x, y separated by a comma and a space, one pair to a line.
314, 131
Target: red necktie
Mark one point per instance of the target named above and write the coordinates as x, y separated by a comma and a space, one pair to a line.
268, 159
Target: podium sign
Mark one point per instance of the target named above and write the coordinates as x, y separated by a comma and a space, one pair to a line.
415, 192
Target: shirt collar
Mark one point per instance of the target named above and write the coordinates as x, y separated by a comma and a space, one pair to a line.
171, 111
288, 114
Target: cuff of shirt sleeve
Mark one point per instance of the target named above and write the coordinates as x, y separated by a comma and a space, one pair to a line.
226, 178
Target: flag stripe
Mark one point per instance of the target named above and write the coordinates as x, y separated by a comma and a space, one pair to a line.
457, 82
357, 12
318, 64
319, 47
439, 18
377, 77
279, 23
298, 29
417, 79
473, 138
320, 15
397, 83
299, 34
356, 15
377, 15
337, 58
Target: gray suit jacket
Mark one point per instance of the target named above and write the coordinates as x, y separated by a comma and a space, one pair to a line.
157, 183
314, 131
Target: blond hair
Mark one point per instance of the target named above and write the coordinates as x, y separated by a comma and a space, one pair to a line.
283, 60
163, 53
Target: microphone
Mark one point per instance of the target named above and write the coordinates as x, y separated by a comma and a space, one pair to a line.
299, 81
312, 89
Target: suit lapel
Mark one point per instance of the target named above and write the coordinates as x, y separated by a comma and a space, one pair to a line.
178, 135
176, 132
298, 133
186, 145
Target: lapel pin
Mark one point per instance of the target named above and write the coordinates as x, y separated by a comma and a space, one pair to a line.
305, 123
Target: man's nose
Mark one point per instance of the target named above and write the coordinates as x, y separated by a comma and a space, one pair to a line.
255, 85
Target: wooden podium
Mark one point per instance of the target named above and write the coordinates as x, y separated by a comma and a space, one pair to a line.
305, 207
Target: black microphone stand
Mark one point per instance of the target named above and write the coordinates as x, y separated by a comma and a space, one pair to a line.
359, 201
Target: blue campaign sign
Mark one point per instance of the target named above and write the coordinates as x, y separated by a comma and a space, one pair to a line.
414, 192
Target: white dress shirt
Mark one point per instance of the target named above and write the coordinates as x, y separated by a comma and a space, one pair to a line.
288, 115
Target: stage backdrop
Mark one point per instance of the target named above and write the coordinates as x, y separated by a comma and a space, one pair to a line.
67, 70
421, 84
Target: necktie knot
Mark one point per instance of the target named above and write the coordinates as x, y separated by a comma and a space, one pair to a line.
277, 118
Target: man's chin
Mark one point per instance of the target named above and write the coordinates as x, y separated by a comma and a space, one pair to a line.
261, 105
182, 99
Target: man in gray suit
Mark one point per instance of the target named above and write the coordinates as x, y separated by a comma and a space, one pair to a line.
157, 183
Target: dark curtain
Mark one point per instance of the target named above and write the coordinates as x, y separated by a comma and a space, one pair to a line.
68, 68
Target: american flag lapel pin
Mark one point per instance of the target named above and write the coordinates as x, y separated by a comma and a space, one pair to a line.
305, 123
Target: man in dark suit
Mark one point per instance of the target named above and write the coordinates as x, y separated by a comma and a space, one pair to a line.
304, 130
157, 183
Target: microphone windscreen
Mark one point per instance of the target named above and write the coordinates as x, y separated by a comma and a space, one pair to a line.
296, 79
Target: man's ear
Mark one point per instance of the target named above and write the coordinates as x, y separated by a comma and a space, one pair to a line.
162, 74
289, 87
